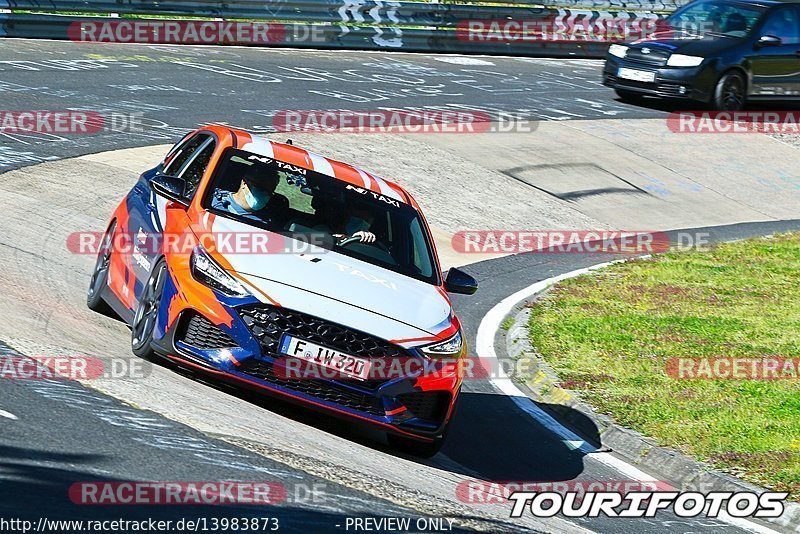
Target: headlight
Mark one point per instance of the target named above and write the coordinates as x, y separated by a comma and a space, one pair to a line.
448, 348
618, 50
206, 271
679, 60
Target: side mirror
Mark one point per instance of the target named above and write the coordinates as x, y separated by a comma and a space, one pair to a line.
457, 281
768, 40
170, 187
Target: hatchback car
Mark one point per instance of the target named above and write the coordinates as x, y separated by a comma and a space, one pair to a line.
721, 52
260, 262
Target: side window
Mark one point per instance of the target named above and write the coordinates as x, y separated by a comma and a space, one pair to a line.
784, 23
196, 166
182, 153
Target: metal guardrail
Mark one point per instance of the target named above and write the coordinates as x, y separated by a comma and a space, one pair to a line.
350, 24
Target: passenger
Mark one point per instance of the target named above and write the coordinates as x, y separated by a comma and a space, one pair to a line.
255, 190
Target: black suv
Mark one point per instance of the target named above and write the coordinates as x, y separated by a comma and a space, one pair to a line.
721, 52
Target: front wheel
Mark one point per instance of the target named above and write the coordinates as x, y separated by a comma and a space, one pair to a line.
144, 320
729, 93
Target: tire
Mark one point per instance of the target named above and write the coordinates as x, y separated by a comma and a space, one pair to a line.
730, 93
421, 449
99, 280
144, 320
629, 96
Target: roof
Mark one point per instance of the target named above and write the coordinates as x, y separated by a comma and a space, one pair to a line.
338, 170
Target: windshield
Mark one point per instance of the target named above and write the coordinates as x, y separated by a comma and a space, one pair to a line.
716, 18
305, 205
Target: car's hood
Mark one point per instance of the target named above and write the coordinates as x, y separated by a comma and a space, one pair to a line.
337, 287
679, 42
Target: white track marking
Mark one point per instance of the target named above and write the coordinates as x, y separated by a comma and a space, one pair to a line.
484, 342
462, 60
8, 415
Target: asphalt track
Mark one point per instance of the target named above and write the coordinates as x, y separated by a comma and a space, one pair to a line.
179, 88
63, 431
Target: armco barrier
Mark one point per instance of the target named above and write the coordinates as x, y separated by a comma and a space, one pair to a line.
351, 24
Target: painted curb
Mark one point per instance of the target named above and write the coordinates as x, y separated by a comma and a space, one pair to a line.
635, 448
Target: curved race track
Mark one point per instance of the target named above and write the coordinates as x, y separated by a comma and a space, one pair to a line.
175, 427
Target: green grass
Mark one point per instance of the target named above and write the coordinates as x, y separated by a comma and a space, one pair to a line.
609, 335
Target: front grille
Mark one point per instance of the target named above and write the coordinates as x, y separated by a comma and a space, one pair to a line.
656, 57
427, 405
268, 323
321, 389
197, 331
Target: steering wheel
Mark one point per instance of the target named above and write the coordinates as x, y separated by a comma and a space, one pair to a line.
350, 240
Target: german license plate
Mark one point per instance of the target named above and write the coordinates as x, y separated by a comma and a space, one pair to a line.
339, 362
636, 75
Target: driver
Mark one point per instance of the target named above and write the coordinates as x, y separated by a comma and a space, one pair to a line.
358, 224
255, 190
330, 221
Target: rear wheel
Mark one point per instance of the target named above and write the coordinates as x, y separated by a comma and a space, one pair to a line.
94, 295
144, 320
729, 94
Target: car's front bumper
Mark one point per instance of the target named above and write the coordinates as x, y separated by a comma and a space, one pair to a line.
690, 83
234, 348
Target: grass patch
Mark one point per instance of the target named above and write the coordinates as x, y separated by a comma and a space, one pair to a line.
609, 336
